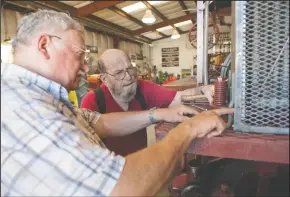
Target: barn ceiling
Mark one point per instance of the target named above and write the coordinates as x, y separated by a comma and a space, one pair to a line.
124, 18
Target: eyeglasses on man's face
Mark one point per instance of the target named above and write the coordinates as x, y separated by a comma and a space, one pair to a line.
120, 74
81, 53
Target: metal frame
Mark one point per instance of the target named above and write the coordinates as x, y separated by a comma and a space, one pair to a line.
239, 73
205, 44
199, 50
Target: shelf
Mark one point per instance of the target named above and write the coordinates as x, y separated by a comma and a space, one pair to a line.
237, 145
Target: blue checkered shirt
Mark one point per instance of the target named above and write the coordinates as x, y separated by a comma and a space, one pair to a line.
48, 147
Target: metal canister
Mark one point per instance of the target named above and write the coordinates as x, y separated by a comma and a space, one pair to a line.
178, 184
192, 166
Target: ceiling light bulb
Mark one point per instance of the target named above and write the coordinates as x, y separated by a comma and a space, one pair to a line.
148, 17
175, 34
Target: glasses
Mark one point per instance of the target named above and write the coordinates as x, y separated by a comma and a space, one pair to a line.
120, 75
83, 54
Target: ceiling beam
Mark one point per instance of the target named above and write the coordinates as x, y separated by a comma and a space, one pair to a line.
89, 21
114, 36
127, 16
183, 6
62, 6
95, 18
95, 6
161, 34
162, 24
131, 18
113, 25
153, 9
73, 11
185, 32
16, 8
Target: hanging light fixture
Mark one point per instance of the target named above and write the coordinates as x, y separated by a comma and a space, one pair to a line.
148, 17
175, 34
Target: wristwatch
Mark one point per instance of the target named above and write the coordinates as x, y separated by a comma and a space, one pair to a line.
151, 115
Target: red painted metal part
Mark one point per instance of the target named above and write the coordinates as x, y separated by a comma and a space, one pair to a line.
237, 145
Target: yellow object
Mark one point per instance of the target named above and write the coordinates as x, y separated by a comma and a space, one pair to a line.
72, 97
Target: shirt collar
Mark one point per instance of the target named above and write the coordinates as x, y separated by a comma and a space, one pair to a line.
51, 87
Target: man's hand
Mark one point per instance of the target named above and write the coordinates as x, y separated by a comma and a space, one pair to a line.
174, 114
159, 162
208, 92
208, 123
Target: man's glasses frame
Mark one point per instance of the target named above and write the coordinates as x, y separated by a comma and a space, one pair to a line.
86, 52
132, 71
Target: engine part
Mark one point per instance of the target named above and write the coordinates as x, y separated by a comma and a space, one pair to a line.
220, 88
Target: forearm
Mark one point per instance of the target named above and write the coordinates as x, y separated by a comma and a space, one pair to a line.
124, 123
154, 166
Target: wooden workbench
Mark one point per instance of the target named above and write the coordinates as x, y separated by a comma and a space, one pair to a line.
237, 145
231, 144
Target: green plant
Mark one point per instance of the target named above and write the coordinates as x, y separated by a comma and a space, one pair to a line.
161, 77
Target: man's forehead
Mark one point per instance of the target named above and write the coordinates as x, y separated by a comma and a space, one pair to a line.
115, 60
76, 38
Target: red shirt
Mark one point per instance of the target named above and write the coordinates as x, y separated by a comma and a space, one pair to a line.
154, 96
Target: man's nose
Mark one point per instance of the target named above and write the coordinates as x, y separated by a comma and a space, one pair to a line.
85, 66
128, 77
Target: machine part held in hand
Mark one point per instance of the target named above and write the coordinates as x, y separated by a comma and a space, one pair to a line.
220, 88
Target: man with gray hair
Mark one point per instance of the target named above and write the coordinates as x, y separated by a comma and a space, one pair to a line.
121, 91
50, 148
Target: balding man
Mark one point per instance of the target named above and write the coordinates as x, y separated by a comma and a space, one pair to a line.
121, 91
50, 148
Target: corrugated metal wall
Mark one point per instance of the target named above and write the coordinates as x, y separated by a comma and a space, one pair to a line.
129, 47
9, 21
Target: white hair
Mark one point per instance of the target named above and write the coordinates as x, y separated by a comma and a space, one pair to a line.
42, 20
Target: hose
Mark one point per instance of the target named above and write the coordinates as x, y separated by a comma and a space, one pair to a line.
226, 66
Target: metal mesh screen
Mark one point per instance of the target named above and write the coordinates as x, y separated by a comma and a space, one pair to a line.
262, 75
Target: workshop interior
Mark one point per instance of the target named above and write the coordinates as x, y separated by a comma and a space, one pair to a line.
240, 47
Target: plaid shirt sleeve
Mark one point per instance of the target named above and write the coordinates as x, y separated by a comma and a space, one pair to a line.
42, 153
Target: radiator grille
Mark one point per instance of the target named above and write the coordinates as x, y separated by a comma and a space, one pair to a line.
263, 80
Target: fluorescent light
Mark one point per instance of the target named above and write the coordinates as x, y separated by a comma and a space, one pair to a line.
82, 4
183, 23
148, 17
175, 34
164, 28
134, 7
156, 2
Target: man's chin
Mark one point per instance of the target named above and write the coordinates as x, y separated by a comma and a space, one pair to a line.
74, 85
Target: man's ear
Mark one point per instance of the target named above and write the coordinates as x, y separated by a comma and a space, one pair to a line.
43, 42
103, 79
